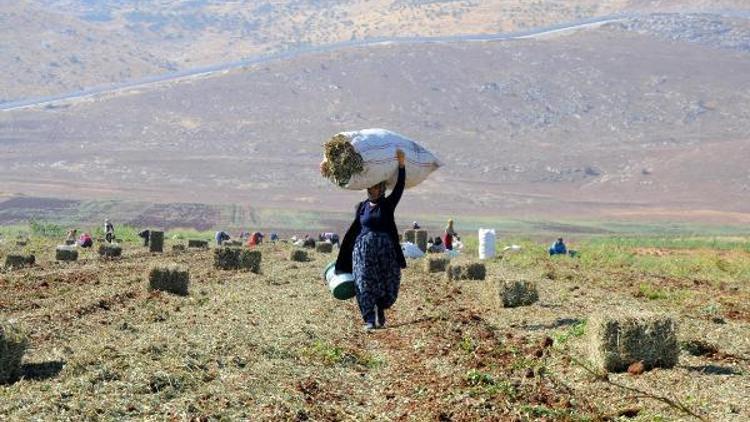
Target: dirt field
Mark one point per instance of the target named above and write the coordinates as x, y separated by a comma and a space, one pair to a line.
278, 346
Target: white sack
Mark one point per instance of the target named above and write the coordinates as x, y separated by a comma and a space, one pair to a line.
378, 150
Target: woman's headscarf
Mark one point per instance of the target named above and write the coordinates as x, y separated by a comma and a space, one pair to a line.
381, 185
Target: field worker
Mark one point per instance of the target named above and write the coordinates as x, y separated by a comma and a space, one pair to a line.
86, 241
436, 246
109, 231
255, 239
71, 238
329, 237
274, 237
415, 226
371, 251
309, 242
558, 248
221, 237
448, 236
145, 235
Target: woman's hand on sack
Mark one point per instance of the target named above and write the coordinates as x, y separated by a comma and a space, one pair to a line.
401, 157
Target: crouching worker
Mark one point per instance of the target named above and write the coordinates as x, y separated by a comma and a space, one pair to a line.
85, 241
145, 235
436, 246
221, 237
329, 237
371, 251
558, 248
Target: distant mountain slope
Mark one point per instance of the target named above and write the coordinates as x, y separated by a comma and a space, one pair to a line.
601, 122
57, 46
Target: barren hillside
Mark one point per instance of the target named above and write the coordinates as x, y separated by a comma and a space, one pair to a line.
57, 46
611, 121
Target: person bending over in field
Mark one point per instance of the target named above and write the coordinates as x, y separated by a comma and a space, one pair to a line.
371, 251
221, 237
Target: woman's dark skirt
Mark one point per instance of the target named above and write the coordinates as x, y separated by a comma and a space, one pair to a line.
377, 274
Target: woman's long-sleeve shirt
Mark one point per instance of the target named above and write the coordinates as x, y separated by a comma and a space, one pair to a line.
379, 218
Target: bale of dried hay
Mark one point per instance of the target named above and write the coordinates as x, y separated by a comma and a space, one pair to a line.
232, 243
619, 339
250, 260
418, 237
13, 344
227, 258
342, 161
324, 247
518, 293
156, 241
19, 261
299, 255
197, 243
466, 271
436, 264
110, 250
178, 248
169, 278
66, 253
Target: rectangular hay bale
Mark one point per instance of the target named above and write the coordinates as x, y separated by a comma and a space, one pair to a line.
418, 237
13, 344
19, 261
466, 271
197, 243
436, 264
518, 293
619, 339
178, 248
324, 247
298, 255
66, 253
169, 278
110, 250
156, 241
250, 260
232, 243
227, 258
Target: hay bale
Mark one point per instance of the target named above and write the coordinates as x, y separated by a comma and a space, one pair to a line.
13, 344
324, 247
518, 293
342, 161
466, 271
418, 237
227, 258
169, 278
197, 243
156, 241
299, 255
250, 260
436, 264
22, 242
232, 243
309, 243
19, 261
66, 253
110, 250
617, 340
178, 248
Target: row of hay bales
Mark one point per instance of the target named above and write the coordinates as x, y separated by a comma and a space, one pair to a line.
616, 340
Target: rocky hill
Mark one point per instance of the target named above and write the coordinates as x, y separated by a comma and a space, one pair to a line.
616, 121
57, 46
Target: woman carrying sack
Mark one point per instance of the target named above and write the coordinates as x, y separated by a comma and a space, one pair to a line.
371, 250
